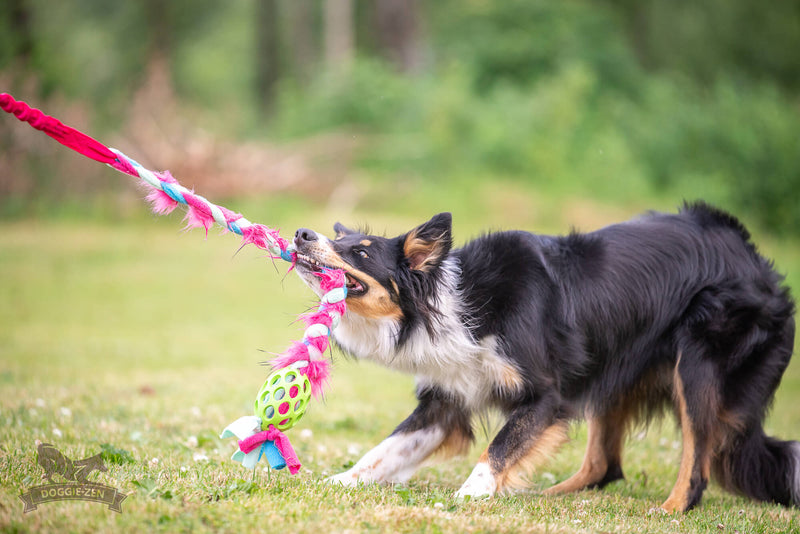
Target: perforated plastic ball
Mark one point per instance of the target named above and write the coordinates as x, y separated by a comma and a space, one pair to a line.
283, 399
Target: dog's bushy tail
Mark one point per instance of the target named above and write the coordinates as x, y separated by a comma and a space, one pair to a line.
761, 467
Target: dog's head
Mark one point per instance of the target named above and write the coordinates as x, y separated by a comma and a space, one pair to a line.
386, 277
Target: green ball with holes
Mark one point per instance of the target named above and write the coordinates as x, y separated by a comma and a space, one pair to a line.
283, 399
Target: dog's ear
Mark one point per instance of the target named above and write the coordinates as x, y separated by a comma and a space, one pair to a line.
427, 245
341, 230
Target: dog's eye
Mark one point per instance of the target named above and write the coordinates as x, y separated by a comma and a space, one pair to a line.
363, 253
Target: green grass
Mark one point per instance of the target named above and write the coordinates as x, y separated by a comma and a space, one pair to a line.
134, 338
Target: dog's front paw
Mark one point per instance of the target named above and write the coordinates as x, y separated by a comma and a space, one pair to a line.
481, 484
347, 479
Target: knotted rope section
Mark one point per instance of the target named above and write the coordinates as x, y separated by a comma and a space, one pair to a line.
165, 194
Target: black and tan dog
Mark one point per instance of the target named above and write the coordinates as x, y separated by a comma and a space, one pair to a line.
668, 310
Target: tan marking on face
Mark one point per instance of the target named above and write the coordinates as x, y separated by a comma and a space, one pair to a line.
422, 254
375, 303
365, 242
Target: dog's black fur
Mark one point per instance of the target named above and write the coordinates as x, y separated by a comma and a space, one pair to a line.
668, 310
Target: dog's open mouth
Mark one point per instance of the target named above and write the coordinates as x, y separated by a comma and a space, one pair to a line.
355, 287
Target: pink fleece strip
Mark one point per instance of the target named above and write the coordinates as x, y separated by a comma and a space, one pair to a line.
53, 127
281, 441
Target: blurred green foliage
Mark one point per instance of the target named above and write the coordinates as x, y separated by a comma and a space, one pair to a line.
612, 98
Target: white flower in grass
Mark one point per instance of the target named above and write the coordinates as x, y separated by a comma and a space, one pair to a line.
65, 412
191, 441
40, 403
199, 457
353, 449
57, 433
154, 461
306, 433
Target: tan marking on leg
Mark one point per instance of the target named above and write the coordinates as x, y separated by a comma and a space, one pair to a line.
510, 379
594, 465
678, 498
733, 425
456, 443
515, 476
504, 374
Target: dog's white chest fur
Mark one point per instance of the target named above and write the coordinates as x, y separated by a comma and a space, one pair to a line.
453, 361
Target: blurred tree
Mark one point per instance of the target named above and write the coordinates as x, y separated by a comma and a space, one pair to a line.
702, 40
267, 58
517, 42
397, 27
159, 28
302, 42
339, 33
672, 91
20, 31
16, 40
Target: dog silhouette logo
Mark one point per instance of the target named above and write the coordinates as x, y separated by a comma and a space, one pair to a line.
76, 486
55, 463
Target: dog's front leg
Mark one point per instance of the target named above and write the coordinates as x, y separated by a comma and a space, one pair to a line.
532, 432
437, 424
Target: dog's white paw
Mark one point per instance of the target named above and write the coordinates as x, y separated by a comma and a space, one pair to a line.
347, 479
481, 484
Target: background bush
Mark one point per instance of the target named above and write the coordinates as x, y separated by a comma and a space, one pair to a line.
611, 98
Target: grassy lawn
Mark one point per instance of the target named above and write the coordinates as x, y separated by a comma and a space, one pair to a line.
131, 336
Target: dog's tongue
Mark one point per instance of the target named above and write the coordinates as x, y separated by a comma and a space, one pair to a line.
354, 284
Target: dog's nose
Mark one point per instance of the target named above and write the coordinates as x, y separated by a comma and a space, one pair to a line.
304, 235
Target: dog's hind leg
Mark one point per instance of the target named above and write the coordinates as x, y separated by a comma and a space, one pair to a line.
602, 462
436, 425
697, 402
532, 433
749, 462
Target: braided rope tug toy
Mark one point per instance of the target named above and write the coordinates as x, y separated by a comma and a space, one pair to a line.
302, 370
